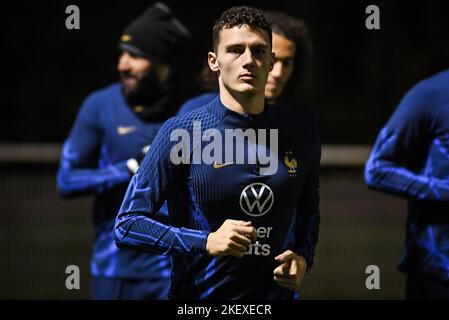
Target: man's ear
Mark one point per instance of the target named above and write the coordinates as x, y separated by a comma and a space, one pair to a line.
272, 61
212, 61
163, 71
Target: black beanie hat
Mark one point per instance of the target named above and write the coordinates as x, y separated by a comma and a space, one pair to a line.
156, 34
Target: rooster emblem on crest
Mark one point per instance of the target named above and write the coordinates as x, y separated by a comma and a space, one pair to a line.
290, 162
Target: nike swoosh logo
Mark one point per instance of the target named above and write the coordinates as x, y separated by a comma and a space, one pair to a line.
221, 165
125, 130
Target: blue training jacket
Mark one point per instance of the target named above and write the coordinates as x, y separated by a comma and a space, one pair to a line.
411, 159
105, 135
284, 206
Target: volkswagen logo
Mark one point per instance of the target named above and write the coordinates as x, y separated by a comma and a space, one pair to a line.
256, 199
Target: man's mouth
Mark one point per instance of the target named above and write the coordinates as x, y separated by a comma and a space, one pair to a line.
128, 79
273, 84
247, 76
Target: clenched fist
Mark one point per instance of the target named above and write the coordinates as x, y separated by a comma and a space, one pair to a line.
291, 271
231, 239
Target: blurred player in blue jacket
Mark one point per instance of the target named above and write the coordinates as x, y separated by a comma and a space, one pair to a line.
240, 227
411, 159
293, 49
113, 131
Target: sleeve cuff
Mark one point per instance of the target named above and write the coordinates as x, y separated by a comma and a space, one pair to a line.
195, 240
308, 256
122, 170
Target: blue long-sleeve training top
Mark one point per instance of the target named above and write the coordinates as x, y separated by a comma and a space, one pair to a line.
284, 206
411, 159
105, 135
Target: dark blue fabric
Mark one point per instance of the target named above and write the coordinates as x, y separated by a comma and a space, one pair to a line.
426, 288
105, 135
197, 102
200, 198
128, 289
411, 159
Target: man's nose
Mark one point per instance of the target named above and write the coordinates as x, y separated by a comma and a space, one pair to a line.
277, 69
123, 63
248, 58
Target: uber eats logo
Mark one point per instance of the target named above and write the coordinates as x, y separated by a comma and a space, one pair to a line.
256, 200
257, 248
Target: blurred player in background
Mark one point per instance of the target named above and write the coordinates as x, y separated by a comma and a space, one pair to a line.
110, 137
237, 231
411, 159
293, 49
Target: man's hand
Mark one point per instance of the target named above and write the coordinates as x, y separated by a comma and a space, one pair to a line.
133, 164
292, 270
231, 239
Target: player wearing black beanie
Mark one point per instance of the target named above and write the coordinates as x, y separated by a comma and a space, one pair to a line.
110, 136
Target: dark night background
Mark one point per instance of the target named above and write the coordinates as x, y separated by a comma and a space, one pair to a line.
354, 83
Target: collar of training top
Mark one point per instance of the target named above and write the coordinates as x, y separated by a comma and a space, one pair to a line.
243, 120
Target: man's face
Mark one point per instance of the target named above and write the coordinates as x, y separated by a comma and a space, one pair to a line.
243, 59
132, 69
284, 50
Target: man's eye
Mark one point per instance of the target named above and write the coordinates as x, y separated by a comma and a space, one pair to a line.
235, 50
287, 63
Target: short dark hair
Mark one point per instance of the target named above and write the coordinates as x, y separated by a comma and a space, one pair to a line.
237, 17
295, 30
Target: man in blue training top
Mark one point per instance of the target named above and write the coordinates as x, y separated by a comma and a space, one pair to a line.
243, 206
292, 47
111, 135
411, 159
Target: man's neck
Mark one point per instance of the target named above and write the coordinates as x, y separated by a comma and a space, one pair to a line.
242, 103
270, 102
